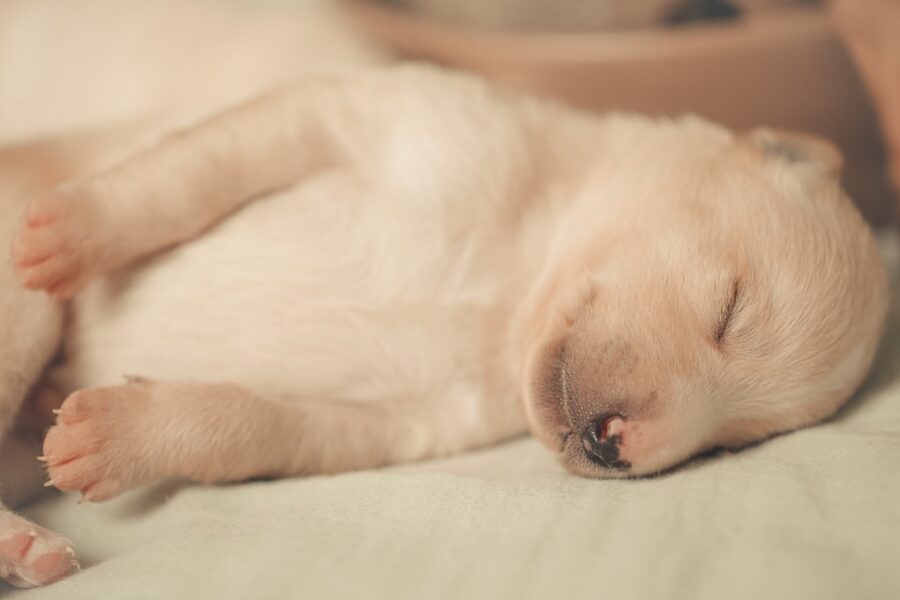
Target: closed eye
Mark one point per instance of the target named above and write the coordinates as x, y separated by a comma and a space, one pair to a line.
727, 315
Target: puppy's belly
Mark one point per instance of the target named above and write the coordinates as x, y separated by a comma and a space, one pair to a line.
320, 292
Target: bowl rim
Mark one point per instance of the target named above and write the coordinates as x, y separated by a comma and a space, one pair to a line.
409, 33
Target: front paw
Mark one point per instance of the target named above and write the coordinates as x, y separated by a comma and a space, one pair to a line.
56, 249
97, 447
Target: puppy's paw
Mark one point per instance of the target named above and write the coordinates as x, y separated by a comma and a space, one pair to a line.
31, 555
58, 248
98, 446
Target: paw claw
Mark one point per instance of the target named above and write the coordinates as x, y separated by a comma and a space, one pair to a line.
92, 447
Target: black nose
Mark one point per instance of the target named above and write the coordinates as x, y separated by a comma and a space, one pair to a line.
601, 445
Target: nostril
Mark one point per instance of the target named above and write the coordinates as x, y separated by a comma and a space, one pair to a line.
604, 427
601, 440
610, 426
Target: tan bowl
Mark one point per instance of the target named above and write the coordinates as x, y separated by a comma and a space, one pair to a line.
781, 68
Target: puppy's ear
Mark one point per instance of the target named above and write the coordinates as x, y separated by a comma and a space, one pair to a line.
798, 148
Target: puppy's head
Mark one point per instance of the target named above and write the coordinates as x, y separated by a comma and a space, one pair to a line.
710, 290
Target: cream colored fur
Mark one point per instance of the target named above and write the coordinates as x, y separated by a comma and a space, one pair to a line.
368, 268
428, 236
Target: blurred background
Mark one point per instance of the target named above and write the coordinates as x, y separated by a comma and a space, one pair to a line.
745, 63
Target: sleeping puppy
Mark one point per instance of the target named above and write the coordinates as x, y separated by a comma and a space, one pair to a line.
370, 269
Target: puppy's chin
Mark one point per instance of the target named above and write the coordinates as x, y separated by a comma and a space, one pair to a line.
573, 458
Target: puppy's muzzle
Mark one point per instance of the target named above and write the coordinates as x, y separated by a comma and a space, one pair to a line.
601, 439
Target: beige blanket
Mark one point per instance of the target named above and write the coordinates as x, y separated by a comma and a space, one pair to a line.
814, 514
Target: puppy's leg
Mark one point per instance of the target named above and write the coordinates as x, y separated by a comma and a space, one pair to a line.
191, 180
108, 440
183, 185
29, 554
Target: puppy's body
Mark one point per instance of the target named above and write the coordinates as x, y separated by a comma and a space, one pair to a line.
416, 274
365, 283
387, 279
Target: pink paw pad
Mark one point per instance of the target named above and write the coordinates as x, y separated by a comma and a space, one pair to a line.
31, 555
